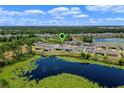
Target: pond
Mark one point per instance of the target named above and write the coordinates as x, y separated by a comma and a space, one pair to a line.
109, 40
105, 76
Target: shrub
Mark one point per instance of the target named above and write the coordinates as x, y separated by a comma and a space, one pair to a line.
121, 61
95, 57
87, 39
87, 56
83, 55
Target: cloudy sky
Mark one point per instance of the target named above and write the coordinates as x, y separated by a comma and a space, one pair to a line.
61, 15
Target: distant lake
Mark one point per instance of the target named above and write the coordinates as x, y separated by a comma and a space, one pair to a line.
110, 40
105, 76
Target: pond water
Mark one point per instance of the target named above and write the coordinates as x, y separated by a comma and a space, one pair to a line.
110, 40
105, 76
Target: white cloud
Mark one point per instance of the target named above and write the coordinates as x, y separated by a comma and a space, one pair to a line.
106, 8
28, 21
93, 21
20, 13
34, 11
81, 16
98, 8
114, 19
59, 22
75, 10
59, 11
52, 21
59, 17
62, 12
6, 12
6, 21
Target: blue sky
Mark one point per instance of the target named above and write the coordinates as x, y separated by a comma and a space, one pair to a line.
43, 15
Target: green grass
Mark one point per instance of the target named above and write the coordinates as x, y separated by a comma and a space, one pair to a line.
121, 86
65, 80
13, 74
79, 60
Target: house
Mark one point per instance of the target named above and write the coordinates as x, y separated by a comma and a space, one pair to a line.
38, 44
59, 47
73, 42
102, 46
79, 49
48, 48
69, 48
70, 42
86, 44
100, 51
90, 50
112, 53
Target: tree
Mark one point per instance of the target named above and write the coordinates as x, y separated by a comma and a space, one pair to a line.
68, 38
106, 58
87, 39
121, 61
95, 57
83, 55
87, 56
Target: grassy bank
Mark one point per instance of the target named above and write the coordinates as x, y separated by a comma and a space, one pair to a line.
65, 80
121, 86
13, 74
79, 60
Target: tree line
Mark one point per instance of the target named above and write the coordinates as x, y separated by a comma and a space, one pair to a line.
13, 47
57, 29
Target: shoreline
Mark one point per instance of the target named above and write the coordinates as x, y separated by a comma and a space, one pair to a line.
79, 60
35, 57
